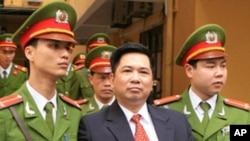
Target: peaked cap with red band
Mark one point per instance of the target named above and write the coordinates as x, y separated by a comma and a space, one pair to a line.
55, 21
98, 59
98, 39
206, 42
79, 58
6, 41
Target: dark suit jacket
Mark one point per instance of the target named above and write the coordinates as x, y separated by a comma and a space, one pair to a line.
110, 124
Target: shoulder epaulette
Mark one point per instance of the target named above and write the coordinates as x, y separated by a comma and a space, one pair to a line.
78, 67
81, 101
10, 100
166, 100
21, 68
70, 101
238, 104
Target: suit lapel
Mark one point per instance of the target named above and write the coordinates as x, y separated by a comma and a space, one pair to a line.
162, 126
218, 120
117, 123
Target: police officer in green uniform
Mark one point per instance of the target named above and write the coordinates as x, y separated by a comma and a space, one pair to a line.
10, 72
96, 40
98, 62
203, 58
82, 75
69, 85
36, 111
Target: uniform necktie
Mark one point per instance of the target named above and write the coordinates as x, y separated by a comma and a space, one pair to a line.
104, 106
49, 117
205, 107
140, 134
4, 74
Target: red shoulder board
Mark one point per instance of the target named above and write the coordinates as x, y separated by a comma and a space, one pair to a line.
79, 67
238, 104
21, 68
81, 101
10, 100
166, 100
70, 101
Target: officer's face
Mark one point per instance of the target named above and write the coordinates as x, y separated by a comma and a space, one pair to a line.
209, 76
7, 55
102, 86
49, 57
133, 79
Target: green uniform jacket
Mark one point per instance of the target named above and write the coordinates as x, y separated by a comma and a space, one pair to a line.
69, 85
67, 120
222, 117
90, 107
85, 87
17, 76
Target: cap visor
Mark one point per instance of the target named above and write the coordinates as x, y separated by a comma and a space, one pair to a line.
57, 36
210, 55
102, 69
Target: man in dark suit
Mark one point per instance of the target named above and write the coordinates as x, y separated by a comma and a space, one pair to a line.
132, 80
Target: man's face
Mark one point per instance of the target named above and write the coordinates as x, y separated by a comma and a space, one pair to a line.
208, 78
7, 55
133, 80
49, 57
102, 86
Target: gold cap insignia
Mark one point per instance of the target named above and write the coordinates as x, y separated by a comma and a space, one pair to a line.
106, 54
100, 39
61, 16
211, 37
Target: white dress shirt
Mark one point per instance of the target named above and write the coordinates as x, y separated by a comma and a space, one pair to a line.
41, 101
145, 120
195, 101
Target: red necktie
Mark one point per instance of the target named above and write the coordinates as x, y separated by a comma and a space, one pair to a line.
140, 134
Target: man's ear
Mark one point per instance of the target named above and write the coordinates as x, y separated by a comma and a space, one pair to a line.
29, 52
189, 70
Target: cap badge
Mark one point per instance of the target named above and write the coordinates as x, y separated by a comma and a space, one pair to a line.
106, 54
8, 40
61, 16
100, 40
211, 37
82, 56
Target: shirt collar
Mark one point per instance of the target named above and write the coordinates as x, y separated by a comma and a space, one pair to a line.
39, 99
100, 104
143, 112
195, 99
8, 70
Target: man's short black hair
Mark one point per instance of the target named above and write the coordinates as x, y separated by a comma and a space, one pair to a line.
128, 48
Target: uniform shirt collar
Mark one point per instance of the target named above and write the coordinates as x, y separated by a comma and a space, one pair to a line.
8, 70
40, 100
100, 104
195, 101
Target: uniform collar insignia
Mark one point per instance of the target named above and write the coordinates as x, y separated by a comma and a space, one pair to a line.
211, 37
28, 110
222, 113
185, 111
91, 107
61, 16
65, 111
